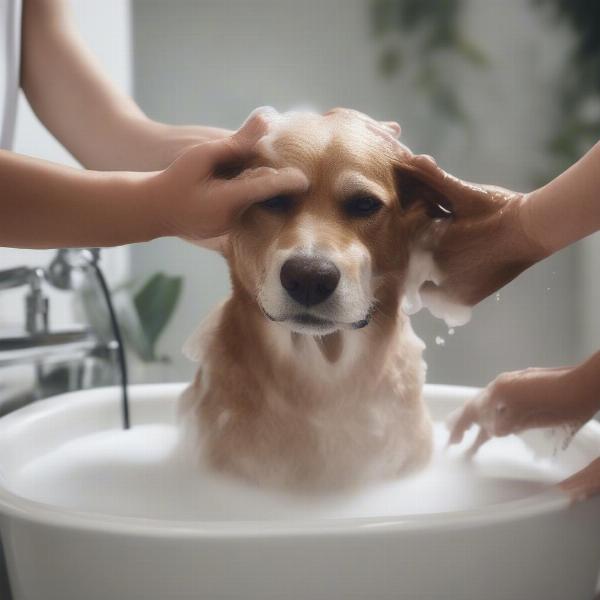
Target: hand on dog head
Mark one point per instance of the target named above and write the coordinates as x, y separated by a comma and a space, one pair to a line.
369, 203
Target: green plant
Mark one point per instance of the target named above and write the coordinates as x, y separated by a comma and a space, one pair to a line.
579, 86
143, 314
433, 29
155, 302
430, 30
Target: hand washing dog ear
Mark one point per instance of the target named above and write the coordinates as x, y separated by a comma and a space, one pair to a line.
464, 275
311, 376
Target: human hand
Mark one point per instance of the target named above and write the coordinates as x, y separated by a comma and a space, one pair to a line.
193, 199
482, 244
584, 484
522, 400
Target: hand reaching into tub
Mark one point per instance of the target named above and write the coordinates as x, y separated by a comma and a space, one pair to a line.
491, 236
494, 234
513, 402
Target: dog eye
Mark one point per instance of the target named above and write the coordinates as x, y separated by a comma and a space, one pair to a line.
277, 204
362, 206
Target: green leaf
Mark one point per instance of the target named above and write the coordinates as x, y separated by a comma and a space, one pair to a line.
390, 61
131, 326
382, 12
471, 52
155, 304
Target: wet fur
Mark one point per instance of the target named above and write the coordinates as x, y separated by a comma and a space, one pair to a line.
293, 410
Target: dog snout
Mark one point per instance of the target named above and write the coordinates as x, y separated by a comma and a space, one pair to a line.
309, 280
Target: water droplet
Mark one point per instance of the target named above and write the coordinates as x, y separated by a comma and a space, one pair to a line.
440, 341
497, 296
451, 331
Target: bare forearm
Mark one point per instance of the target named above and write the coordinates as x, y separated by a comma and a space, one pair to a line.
568, 208
67, 88
43, 205
587, 379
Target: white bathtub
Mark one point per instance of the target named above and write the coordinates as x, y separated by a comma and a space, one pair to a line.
515, 541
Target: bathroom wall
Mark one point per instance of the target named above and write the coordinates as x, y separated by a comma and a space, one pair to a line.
106, 28
589, 276
213, 62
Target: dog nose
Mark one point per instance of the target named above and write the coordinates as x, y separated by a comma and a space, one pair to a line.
309, 280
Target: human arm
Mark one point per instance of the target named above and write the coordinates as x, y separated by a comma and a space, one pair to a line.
494, 234
43, 205
100, 125
533, 398
568, 208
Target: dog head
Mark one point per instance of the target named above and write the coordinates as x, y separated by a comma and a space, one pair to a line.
323, 260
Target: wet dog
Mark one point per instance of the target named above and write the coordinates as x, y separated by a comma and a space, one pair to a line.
310, 374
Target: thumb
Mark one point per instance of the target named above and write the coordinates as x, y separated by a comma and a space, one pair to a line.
242, 144
227, 151
255, 185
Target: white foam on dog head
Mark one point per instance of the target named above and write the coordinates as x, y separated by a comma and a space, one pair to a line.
280, 124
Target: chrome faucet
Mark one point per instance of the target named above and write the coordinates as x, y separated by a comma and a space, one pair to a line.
36, 303
63, 360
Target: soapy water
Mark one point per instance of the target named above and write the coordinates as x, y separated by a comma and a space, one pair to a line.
550, 441
144, 473
422, 269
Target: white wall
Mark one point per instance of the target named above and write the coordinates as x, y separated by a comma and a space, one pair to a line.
213, 62
106, 28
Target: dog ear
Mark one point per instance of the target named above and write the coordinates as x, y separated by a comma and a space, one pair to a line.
421, 187
421, 182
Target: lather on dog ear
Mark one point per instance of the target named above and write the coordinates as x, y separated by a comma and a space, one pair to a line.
483, 245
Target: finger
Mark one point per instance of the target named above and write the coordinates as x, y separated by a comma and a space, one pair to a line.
257, 124
242, 144
482, 438
465, 197
575, 489
398, 148
206, 157
393, 127
462, 423
263, 183
583, 484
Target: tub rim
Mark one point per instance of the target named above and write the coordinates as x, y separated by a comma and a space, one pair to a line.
13, 506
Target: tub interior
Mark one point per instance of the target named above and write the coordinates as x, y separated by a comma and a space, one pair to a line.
71, 453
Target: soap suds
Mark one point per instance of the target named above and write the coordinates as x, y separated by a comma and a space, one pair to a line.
422, 269
145, 473
549, 441
280, 123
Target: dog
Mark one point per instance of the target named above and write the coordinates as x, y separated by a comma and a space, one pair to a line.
310, 374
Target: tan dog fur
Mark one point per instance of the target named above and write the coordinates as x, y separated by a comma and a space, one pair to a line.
278, 404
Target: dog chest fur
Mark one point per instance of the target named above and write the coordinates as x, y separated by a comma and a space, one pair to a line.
281, 413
